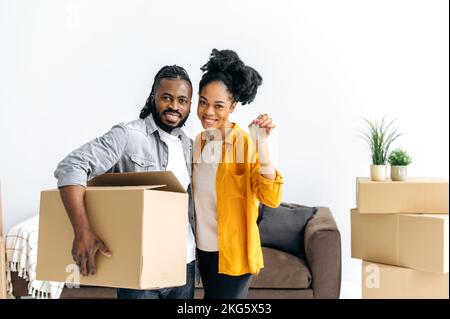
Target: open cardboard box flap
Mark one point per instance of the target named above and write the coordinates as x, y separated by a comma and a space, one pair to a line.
165, 181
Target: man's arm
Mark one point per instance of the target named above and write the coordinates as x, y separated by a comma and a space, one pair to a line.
85, 243
91, 159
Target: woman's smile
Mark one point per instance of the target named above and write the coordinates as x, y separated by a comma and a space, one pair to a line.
208, 122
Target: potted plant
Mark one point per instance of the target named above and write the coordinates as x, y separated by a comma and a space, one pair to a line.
379, 137
399, 161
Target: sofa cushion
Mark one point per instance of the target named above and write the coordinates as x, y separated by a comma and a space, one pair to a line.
282, 270
284, 227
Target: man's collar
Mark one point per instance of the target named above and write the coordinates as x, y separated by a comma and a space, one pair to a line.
152, 127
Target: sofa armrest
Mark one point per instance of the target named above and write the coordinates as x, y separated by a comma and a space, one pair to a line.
323, 254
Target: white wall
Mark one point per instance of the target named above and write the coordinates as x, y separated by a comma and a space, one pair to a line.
69, 70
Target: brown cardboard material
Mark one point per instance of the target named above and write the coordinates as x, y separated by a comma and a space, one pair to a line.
415, 195
417, 241
141, 217
381, 281
1, 212
2, 268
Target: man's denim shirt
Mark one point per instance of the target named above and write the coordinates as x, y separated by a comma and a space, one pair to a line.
132, 147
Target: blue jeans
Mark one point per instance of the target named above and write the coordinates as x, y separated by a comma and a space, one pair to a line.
182, 292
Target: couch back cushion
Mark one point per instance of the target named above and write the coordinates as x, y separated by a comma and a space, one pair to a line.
283, 228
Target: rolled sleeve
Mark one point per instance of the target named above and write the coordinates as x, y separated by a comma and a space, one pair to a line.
268, 191
93, 158
71, 178
267, 181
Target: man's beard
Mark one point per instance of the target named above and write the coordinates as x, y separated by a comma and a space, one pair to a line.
161, 124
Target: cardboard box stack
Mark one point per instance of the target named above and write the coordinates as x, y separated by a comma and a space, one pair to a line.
141, 217
400, 231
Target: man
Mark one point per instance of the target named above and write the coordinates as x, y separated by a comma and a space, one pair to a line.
155, 142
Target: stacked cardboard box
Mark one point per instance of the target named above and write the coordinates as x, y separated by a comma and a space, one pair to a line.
400, 231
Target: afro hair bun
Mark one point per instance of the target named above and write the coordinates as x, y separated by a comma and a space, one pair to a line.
242, 80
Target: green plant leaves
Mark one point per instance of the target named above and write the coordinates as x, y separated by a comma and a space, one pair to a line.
399, 157
379, 137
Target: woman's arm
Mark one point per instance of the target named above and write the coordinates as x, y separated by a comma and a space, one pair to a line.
267, 168
260, 129
266, 180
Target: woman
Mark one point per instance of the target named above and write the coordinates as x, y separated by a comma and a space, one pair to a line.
231, 174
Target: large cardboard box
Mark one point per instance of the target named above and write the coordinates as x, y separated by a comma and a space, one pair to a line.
417, 241
389, 282
141, 217
415, 195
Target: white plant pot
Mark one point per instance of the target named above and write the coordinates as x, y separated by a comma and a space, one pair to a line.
378, 172
399, 173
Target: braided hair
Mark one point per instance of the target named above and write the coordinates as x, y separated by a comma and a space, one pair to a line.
242, 81
167, 72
